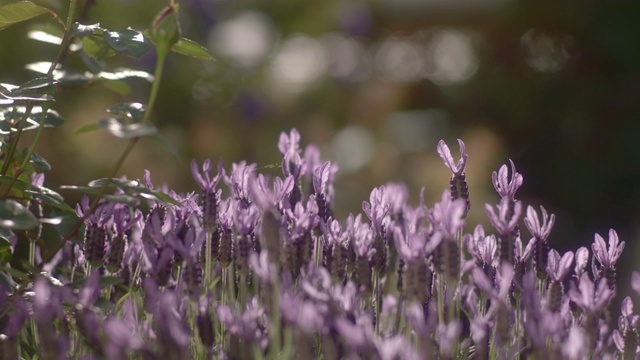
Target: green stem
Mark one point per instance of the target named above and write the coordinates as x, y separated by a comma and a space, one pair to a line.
157, 75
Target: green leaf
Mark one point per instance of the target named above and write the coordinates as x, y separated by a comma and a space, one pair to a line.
128, 42
40, 163
11, 92
191, 48
127, 131
21, 11
186, 47
96, 47
14, 215
88, 128
131, 111
80, 31
9, 117
36, 84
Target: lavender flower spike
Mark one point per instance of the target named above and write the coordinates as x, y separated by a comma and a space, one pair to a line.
445, 154
458, 183
607, 258
501, 182
539, 230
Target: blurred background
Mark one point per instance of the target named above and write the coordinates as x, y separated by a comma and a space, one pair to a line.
553, 85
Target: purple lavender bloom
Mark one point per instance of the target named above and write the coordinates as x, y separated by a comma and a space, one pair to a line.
377, 209
251, 325
557, 268
502, 221
590, 298
322, 185
626, 336
448, 215
458, 184
635, 281
289, 143
506, 222
95, 236
241, 176
210, 196
504, 186
445, 155
607, 258
268, 198
540, 232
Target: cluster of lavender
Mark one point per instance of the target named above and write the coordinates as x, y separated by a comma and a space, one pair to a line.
263, 270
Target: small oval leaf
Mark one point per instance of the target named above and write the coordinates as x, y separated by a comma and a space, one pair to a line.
17, 12
127, 131
14, 215
128, 42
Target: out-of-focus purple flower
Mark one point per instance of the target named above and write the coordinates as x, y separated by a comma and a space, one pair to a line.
447, 335
591, 299
458, 183
289, 143
268, 198
506, 222
504, 186
448, 215
323, 188
445, 155
210, 196
539, 230
377, 209
607, 258
558, 268
250, 325
307, 316
396, 347
503, 221
582, 260
635, 281
626, 336
242, 175
172, 331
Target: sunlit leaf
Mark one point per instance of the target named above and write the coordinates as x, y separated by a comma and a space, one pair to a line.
41, 164
14, 215
127, 131
21, 11
10, 116
96, 47
36, 84
131, 111
186, 47
130, 188
78, 30
191, 48
122, 74
128, 42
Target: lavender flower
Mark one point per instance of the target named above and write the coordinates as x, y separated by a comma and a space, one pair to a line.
557, 268
239, 181
210, 196
505, 221
540, 232
323, 190
504, 186
607, 258
459, 187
